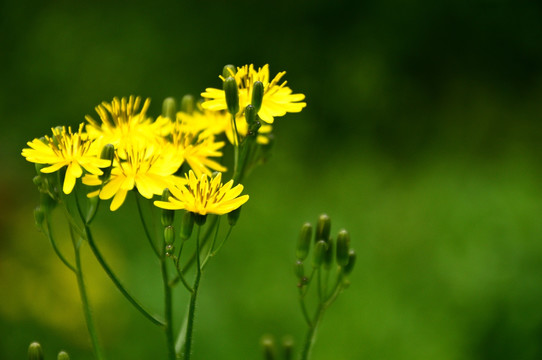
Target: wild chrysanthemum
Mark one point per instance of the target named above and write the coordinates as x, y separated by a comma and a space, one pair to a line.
277, 98
205, 196
123, 124
143, 168
65, 148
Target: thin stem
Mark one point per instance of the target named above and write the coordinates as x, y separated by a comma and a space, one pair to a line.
192, 305
153, 318
311, 333
147, 232
49, 234
168, 313
84, 298
304, 307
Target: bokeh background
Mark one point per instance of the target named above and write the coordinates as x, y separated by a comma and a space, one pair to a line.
421, 137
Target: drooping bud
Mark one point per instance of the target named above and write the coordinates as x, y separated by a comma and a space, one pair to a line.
187, 225
233, 216
187, 104
35, 352
257, 95
169, 235
299, 269
268, 345
323, 228
167, 216
343, 245
63, 356
231, 91
304, 241
229, 70
169, 108
108, 153
250, 114
328, 257
288, 348
39, 216
351, 262
319, 253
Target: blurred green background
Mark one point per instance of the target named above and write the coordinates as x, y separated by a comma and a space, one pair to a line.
421, 137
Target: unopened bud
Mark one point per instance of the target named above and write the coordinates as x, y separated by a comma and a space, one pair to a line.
288, 348
268, 345
187, 225
250, 114
343, 245
351, 262
169, 108
169, 235
323, 228
35, 352
304, 241
233, 216
63, 356
187, 104
319, 253
328, 257
231, 91
299, 269
257, 95
229, 70
167, 216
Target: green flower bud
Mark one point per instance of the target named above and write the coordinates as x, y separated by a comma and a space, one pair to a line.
169, 108
304, 242
35, 352
288, 348
167, 216
319, 253
187, 104
108, 153
328, 256
39, 216
63, 356
233, 216
231, 91
257, 95
343, 245
323, 228
299, 269
268, 345
187, 225
229, 70
351, 262
200, 219
250, 114
169, 235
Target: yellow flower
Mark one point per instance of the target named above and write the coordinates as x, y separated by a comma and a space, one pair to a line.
74, 150
123, 126
205, 196
277, 99
143, 168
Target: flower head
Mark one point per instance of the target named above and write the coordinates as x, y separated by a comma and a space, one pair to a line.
277, 98
205, 196
65, 148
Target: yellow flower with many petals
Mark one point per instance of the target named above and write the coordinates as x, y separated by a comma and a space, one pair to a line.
123, 124
277, 98
146, 169
73, 150
205, 196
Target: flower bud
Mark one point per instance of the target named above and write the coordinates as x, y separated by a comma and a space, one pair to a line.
35, 352
299, 269
304, 242
257, 95
319, 253
228, 70
167, 216
169, 235
169, 108
187, 225
63, 356
288, 348
323, 228
108, 153
187, 104
250, 114
39, 216
231, 91
351, 262
328, 256
268, 345
233, 216
343, 245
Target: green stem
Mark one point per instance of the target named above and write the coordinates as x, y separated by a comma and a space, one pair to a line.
192, 305
51, 238
153, 318
304, 307
168, 313
147, 232
310, 338
84, 299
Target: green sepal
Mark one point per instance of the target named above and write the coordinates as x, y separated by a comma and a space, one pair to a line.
328, 256
250, 114
323, 228
169, 235
343, 246
169, 108
200, 219
257, 95
187, 104
299, 269
63, 356
304, 241
233, 216
187, 225
319, 253
167, 216
35, 351
351, 262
